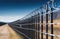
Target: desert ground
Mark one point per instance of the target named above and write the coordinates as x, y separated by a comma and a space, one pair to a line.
7, 32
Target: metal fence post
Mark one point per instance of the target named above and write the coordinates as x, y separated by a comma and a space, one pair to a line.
41, 25
51, 22
38, 26
35, 25
47, 21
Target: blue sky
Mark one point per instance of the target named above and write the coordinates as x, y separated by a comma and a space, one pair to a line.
12, 10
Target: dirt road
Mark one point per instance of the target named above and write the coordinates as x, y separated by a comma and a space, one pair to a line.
7, 32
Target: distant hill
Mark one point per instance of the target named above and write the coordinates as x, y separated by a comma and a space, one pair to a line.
2, 23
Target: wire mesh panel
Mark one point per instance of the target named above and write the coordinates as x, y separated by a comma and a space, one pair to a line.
29, 27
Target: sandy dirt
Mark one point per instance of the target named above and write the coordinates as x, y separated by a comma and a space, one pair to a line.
7, 32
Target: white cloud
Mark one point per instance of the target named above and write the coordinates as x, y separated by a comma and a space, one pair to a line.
9, 18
